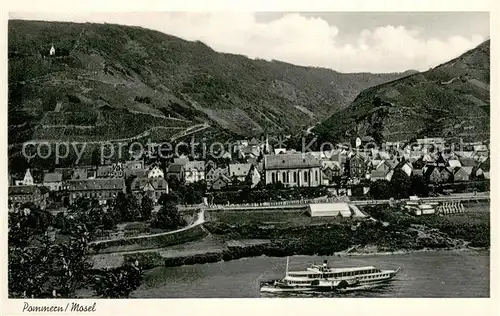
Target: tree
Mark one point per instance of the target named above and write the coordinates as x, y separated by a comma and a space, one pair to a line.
38, 267
381, 189
128, 183
172, 197
418, 186
126, 208
168, 217
120, 207
400, 183
147, 207
87, 212
119, 282
42, 268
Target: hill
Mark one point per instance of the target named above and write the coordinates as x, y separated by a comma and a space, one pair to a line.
111, 82
450, 100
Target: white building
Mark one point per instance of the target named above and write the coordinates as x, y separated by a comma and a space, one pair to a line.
28, 179
330, 209
156, 172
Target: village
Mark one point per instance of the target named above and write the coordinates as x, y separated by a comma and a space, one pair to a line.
252, 165
353, 161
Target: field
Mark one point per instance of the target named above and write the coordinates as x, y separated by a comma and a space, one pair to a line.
295, 217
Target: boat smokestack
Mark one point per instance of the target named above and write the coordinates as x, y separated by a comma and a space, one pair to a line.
325, 263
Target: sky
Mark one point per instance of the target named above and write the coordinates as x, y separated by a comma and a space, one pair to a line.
343, 41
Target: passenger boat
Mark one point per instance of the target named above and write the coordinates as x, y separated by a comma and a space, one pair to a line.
325, 278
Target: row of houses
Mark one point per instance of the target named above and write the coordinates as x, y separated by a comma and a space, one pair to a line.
288, 167
102, 184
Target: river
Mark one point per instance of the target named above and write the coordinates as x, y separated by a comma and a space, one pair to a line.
454, 274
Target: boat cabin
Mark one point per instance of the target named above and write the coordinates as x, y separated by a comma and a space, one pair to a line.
325, 272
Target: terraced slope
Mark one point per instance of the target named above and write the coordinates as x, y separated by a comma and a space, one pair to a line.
111, 81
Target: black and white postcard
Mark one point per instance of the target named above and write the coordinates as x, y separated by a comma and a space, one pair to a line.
275, 155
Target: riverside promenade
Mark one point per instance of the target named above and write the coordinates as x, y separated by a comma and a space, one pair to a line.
294, 204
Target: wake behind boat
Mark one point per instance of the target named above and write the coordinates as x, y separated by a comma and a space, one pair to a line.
325, 278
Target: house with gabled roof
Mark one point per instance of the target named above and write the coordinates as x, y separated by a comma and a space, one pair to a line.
379, 175
383, 155
389, 175
373, 164
67, 173
462, 173
454, 163
82, 173
21, 194
135, 168
155, 172
464, 154
250, 152
406, 167
357, 165
194, 171
467, 162
440, 161
418, 172
481, 170
104, 190
428, 158
27, 180
239, 170
176, 170
392, 163
446, 174
432, 174
330, 171
485, 165
152, 187
214, 173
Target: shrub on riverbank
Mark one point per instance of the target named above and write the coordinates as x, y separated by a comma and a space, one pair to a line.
267, 194
401, 232
473, 227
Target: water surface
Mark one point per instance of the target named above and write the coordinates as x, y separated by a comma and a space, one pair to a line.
457, 274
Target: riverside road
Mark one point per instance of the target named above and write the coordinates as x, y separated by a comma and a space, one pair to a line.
462, 197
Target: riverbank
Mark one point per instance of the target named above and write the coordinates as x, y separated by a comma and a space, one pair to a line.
396, 232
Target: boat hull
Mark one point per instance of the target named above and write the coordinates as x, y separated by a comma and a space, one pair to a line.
276, 287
